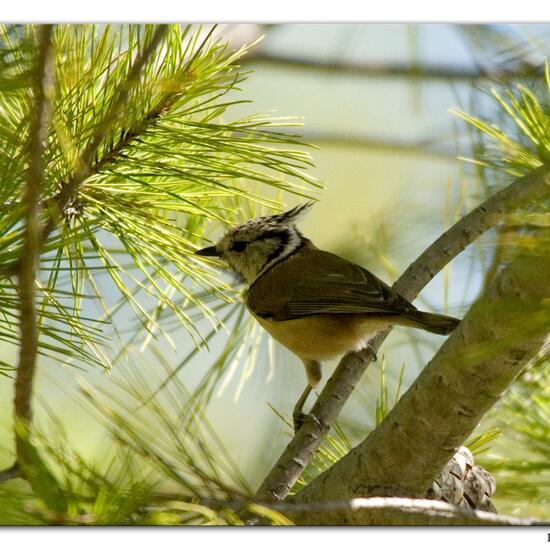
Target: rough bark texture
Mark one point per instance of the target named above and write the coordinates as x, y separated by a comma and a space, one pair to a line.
500, 333
339, 387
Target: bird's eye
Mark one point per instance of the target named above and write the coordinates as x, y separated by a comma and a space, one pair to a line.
239, 246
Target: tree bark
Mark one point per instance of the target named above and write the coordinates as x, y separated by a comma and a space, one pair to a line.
502, 331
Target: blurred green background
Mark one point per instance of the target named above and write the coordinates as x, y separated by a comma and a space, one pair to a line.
374, 99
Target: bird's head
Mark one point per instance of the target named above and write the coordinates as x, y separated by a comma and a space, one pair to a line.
253, 247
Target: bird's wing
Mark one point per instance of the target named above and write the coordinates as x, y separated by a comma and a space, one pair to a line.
315, 282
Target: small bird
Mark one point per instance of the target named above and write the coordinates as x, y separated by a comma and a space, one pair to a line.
313, 302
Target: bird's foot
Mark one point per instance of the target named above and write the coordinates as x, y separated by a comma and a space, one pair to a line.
299, 418
372, 350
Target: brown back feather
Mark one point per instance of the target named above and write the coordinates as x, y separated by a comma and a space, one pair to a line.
315, 282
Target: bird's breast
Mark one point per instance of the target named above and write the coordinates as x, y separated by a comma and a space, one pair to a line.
323, 337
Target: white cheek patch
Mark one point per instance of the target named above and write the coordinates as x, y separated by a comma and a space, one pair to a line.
267, 245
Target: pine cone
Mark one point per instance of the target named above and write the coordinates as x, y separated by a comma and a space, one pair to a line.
464, 484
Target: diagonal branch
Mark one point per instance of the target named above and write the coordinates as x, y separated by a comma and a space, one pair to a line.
85, 165
113, 115
385, 70
339, 387
503, 330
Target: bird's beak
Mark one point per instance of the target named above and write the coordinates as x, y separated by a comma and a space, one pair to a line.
208, 251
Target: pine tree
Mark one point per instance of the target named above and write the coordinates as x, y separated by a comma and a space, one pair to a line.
120, 154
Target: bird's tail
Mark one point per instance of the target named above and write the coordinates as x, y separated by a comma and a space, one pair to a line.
432, 322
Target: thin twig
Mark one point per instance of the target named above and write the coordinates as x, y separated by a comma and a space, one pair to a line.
339, 387
31, 247
426, 148
384, 70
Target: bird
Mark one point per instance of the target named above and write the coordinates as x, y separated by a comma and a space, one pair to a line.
315, 303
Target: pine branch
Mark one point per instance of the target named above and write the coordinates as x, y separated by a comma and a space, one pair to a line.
171, 158
133, 133
339, 387
85, 165
501, 332
28, 264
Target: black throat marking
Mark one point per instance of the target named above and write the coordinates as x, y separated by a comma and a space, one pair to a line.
278, 255
284, 236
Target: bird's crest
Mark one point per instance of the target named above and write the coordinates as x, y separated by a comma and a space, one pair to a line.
293, 215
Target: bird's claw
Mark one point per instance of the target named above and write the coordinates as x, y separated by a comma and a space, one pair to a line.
299, 418
372, 350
